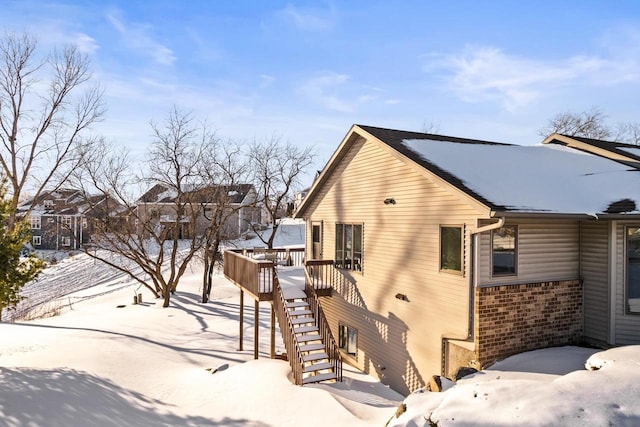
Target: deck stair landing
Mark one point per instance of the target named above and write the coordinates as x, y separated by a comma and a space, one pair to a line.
316, 364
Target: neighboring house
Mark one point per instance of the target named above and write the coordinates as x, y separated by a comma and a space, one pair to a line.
298, 197
61, 219
160, 205
461, 252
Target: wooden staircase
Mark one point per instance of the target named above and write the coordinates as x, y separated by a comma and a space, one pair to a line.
316, 365
311, 349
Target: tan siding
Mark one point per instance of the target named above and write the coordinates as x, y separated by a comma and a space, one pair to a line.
594, 264
627, 325
547, 251
400, 255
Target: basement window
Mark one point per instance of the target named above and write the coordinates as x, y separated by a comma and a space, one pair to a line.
348, 339
632, 291
504, 247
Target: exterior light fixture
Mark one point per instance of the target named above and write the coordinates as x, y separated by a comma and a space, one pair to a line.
402, 297
390, 201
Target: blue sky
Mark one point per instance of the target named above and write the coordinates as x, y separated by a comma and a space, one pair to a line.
307, 71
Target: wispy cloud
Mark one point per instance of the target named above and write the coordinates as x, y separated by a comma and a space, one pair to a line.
266, 80
322, 89
84, 42
337, 92
308, 19
488, 74
138, 37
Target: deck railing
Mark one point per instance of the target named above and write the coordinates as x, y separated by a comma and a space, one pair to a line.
332, 349
294, 355
326, 278
281, 256
254, 276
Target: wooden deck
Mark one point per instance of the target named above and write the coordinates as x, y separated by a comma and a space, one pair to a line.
252, 270
292, 287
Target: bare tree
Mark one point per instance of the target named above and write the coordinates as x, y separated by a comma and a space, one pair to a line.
224, 171
592, 124
588, 124
628, 133
42, 120
430, 127
277, 168
157, 232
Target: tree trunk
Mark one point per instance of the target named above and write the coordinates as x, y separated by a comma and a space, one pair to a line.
211, 254
273, 235
167, 297
206, 284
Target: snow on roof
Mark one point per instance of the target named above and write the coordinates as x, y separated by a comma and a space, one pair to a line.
168, 194
534, 178
634, 151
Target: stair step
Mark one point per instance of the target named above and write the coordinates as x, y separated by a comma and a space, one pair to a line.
317, 367
305, 329
311, 357
319, 377
300, 312
307, 338
311, 347
302, 320
293, 304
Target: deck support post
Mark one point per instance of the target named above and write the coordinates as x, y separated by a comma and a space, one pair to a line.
241, 319
255, 329
273, 332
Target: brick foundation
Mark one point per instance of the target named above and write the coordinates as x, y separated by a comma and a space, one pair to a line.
515, 318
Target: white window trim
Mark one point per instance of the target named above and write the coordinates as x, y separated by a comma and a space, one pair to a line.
36, 222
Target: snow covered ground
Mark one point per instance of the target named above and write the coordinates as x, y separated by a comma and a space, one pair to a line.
565, 386
103, 361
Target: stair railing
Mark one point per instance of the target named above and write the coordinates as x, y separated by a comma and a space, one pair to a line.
332, 349
294, 355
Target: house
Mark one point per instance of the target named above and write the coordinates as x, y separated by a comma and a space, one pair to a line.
460, 252
61, 219
160, 204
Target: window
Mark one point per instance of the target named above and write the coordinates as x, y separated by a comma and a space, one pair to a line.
48, 204
348, 340
349, 246
633, 270
451, 248
503, 250
66, 221
66, 240
36, 222
37, 240
84, 223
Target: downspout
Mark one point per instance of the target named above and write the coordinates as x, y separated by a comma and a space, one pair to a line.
473, 283
613, 279
473, 276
